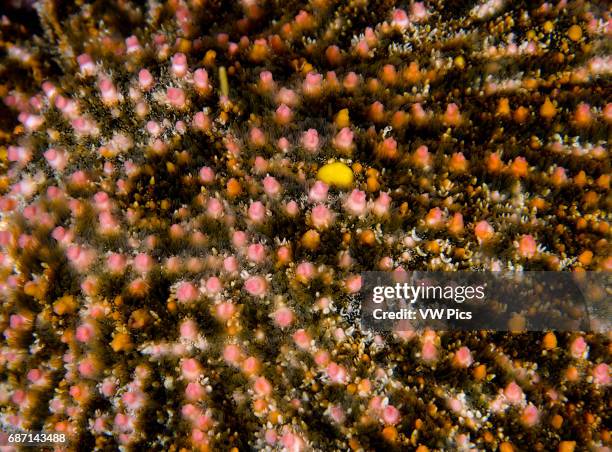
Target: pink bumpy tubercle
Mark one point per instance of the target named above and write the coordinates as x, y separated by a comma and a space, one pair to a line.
283, 317
257, 212
179, 65
256, 286
355, 203
186, 292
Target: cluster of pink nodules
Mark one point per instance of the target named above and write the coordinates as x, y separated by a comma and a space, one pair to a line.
110, 94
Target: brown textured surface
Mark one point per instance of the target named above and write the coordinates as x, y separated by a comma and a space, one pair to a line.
479, 141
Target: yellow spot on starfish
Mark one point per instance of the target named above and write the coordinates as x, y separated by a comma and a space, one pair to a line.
342, 118
548, 110
223, 81
548, 26
575, 33
336, 174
